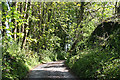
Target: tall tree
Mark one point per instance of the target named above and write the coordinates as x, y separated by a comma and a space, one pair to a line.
26, 8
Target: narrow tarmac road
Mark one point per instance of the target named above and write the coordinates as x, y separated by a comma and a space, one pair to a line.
51, 71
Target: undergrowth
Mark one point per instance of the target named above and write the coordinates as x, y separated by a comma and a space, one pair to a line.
17, 62
101, 58
95, 64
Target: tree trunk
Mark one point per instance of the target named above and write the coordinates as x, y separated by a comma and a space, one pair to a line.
78, 38
13, 21
27, 6
15, 30
3, 31
39, 25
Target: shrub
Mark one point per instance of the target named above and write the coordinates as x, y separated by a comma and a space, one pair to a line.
16, 62
95, 64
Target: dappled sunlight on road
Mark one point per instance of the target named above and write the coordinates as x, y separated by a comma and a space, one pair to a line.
52, 70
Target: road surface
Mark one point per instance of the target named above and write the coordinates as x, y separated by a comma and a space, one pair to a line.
51, 71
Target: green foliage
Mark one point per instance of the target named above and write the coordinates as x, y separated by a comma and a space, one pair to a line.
95, 64
99, 61
47, 56
17, 62
62, 55
38, 33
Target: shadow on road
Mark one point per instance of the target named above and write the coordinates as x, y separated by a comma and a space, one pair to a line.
49, 75
51, 71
